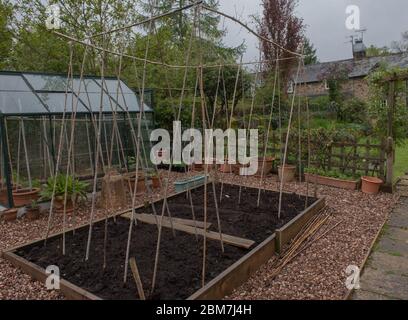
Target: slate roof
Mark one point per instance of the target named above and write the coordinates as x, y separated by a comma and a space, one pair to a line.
355, 68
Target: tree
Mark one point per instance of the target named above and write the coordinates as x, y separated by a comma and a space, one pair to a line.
280, 24
309, 51
35, 45
6, 34
402, 45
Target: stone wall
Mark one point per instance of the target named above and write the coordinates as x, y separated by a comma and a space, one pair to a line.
357, 88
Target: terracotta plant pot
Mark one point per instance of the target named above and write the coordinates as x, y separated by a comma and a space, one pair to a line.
267, 168
371, 185
4, 195
156, 182
59, 205
23, 197
10, 215
226, 168
332, 182
130, 183
287, 173
198, 167
236, 168
32, 214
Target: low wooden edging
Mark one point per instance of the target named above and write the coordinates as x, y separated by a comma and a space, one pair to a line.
236, 275
216, 289
70, 290
289, 231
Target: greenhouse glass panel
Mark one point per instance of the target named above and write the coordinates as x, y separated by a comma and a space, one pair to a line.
20, 102
87, 85
93, 102
56, 102
9, 82
47, 82
112, 87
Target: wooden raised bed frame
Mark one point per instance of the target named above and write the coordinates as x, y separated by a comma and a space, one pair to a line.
216, 289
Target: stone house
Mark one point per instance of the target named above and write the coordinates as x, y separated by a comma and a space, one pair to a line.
312, 80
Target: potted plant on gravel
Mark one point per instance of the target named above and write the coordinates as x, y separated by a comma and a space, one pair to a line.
33, 211
10, 214
155, 178
76, 191
131, 180
26, 192
332, 178
371, 185
287, 173
265, 165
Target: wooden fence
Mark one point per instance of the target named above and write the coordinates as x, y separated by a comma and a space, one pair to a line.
366, 157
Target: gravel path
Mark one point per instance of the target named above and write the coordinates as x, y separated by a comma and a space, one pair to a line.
318, 273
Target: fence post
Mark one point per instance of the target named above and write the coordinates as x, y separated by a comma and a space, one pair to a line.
390, 164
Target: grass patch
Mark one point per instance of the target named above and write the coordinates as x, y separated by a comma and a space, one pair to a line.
395, 254
401, 161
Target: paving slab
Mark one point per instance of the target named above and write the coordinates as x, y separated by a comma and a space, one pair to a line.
392, 264
379, 282
367, 295
392, 247
399, 218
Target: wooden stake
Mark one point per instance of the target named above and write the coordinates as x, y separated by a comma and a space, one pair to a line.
136, 276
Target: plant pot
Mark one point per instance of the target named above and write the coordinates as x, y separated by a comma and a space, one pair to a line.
197, 167
59, 205
332, 182
156, 182
371, 185
10, 215
4, 195
236, 168
267, 168
23, 197
130, 182
32, 214
287, 172
226, 168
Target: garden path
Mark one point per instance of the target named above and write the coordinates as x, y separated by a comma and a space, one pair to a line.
385, 276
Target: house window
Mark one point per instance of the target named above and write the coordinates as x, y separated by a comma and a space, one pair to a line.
326, 85
291, 87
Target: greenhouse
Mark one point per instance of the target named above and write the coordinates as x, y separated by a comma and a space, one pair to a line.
40, 112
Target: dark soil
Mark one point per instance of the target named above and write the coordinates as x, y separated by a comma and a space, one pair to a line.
245, 220
180, 265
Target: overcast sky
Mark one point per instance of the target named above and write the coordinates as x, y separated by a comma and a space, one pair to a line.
385, 20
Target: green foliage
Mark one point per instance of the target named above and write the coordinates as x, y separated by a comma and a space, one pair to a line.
310, 52
378, 107
6, 34
373, 51
76, 190
332, 174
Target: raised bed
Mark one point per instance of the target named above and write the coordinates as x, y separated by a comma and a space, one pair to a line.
179, 273
333, 182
